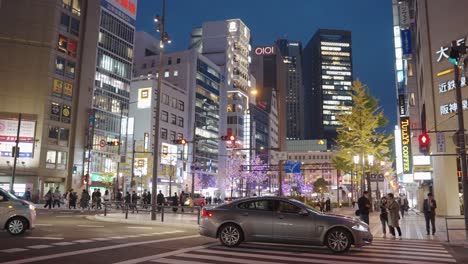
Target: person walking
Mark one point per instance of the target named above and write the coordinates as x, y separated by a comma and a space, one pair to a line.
175, 202
106, 196
384, 215
160, 200
144, 197
48, 198
183, 198
328, 205
56, 197
393, 215
93, 199
429, 207
148, 198
119, 198
134, 200
364, 207
403, 202
72, 197
98, 199
27, 195
84, 200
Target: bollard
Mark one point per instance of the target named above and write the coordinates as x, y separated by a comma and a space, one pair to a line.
105, 209
198, 218
126, 211
162, 214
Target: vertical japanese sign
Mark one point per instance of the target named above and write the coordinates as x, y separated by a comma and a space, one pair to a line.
406, 145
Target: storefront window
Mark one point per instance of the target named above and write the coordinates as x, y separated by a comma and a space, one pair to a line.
53, 135
59, 65
75, 27
62, 44
51, 159
70, 70
61, 160
72, 48
63, 136
55, 110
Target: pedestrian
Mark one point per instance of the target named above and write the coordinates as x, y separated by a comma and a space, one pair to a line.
134, 199
72, 197
144, 198
98, 199
183, 198
148, 198
364, 207
175, 202
56, 196
403, 205
106, 196
393, 215
27, 195
328, 205
48, 198
84, 200
93, 199
429, 207
160, 200
384, 215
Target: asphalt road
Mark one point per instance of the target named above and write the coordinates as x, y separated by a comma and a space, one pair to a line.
68, 237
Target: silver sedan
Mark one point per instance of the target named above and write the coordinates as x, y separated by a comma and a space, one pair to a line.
282, 220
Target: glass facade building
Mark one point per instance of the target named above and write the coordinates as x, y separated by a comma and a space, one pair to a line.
328, 76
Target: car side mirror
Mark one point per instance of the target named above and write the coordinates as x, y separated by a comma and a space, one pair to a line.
303, 212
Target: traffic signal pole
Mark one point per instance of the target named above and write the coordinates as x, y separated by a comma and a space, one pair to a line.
461, 142
15, 155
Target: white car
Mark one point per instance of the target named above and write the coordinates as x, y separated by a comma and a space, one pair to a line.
16, 215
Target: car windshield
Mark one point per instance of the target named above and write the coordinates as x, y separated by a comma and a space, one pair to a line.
8, 195
307, 206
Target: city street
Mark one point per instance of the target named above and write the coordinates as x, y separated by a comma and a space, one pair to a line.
68, 237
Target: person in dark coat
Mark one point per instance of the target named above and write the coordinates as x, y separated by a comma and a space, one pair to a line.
429, 209
364, 207
383, 215
134, 199
393, 215
72, 200
128, 198
48, 198
175, 202
27, 195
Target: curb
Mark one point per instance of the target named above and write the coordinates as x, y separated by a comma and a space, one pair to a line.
102, 218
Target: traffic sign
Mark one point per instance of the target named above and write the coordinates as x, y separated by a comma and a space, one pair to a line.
440, 142
102, 143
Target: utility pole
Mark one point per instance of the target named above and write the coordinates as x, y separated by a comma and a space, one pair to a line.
280, 178
133, 164
461, 135
15, 155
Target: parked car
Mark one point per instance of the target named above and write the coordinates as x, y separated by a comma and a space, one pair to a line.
16, 215
281, 220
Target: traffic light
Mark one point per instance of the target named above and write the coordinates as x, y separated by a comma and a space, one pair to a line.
75, 169
85, 179
113, 143
454, 55
181, 141
231, 138
424, 143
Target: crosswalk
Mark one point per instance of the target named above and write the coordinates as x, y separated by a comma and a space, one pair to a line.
381, 251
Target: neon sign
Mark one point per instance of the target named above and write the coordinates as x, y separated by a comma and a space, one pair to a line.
406, 144
127, 5
265, 50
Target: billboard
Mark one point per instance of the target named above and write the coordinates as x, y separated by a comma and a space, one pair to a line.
8, 131
168, 154
144, 98
406, 42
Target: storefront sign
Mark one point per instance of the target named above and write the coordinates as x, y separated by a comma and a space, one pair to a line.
144, 98
68, 91
8, 131
66, 113
58, 88
406, 42
406, 144
450, 85
125, 9
168, 154
443, 52
452, 107
270, 50
404, 14
402, 104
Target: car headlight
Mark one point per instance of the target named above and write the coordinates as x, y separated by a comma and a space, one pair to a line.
32, 207
360, 227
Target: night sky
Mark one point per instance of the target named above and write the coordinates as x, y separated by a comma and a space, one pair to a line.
369, 20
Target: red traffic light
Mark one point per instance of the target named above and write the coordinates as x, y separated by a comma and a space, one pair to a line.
424, 139
232, 138
183, 141
424, 143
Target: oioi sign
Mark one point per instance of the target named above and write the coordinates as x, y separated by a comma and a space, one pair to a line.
269, 50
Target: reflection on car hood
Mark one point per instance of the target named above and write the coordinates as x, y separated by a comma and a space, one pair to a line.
344, 217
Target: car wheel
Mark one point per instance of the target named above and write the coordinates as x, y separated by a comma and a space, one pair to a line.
338, 240
230, 235
16, 226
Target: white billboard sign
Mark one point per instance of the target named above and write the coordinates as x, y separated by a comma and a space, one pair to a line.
8, 132
168, 154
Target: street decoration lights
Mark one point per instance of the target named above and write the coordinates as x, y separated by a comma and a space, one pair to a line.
163, 38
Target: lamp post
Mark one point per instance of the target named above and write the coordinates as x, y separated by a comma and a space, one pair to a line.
163, 38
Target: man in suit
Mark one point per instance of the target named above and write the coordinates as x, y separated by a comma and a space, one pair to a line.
429, 208
364, 207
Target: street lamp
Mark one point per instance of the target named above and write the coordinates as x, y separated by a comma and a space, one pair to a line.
163, 37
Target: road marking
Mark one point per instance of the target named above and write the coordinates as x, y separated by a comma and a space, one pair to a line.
139, 227
64, 216
117, 237
13, 250
163, 255
63, 244
102, 239
91, 250
178, 261
132, 236
43, 224
83, 241
40, 246
46, 238
223, 259
94, 226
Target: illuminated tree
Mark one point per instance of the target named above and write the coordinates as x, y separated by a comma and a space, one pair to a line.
258, 174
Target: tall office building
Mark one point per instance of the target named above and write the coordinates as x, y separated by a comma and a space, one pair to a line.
41, 46
226, 43
104, 102
291, 51
328, 75
204, 113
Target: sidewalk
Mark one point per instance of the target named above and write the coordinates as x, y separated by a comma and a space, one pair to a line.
188, 220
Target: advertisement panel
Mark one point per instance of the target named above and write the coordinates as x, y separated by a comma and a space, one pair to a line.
8, 131
144, 98
168, 154
406, 145
402, 104
58, 87
68, 91
404, 14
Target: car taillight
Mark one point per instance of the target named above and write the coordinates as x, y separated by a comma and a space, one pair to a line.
206, 213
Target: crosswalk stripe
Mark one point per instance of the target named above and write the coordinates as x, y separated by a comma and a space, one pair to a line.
102, 239
63, 244
82, 241
407, 252
403, 244
176, 261
395, 254
410, 249
39, 246
45, 238
316, 257
13, 250
224, 259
